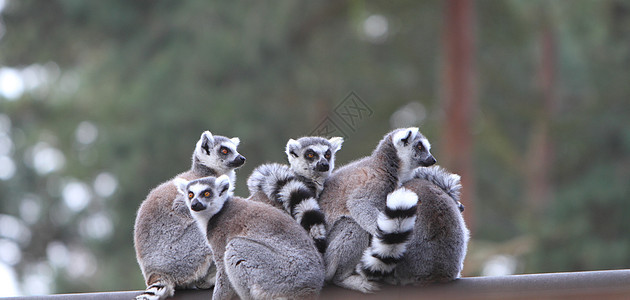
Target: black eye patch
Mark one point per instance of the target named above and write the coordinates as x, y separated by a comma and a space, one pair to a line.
310, 154
328, 154
224, 150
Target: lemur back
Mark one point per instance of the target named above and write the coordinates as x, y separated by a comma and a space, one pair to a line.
364, 206
170, 250
437, 248
295, 188
260, 252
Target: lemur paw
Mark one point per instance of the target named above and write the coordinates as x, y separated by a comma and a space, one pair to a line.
156, 292
359, 283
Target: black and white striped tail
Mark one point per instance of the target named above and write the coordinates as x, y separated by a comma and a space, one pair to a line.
450, 183
157, 291
394, 227
296, 194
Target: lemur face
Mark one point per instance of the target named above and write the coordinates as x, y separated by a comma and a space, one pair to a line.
219, 152
413, 148
313, 157
206, 195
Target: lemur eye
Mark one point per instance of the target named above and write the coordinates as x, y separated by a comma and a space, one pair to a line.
207, 194
224, 150
420, 147
310, 154
191, 195
327, 155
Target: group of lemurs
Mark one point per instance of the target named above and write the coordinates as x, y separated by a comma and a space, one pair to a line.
388, 218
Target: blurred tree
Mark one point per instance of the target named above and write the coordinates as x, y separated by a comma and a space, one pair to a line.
540, 152
459, 97
566, 87
151, 76
584, 226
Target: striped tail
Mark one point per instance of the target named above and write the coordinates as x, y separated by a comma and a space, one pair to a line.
450, 183
394, 228
158, 290
296, 194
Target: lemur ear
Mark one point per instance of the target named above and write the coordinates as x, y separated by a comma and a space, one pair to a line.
207, 136
205, 141
292, 147
222, 184
181, 185
336, 143
236, 141
403, 137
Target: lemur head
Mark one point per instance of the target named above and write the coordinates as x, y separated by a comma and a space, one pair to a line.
217, 153
412, 148
204, 196
313, 157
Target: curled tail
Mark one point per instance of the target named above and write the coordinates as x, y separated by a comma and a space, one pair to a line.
394, 227
157, 290
450, 183
296, 194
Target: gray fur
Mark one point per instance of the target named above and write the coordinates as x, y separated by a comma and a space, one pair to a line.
437, 248
169, 248
260, 252
448, 182
357, 193
295, 188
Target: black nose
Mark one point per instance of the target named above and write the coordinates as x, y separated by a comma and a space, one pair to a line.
197, 206
237, 162
429, 161
322, 166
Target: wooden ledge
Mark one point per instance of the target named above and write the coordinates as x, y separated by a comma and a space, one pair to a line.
613, 284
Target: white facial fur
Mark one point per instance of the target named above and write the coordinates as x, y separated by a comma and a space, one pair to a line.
307, 168
207, 152
220, 192
405, 142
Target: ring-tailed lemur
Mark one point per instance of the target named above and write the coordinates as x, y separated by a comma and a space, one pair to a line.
352, 200
260, 252
296, 188
170, 250
437, 246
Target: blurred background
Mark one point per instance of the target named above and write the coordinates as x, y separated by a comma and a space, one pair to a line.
100, 101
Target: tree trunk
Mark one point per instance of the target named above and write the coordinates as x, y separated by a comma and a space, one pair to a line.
459, 97
540, 153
